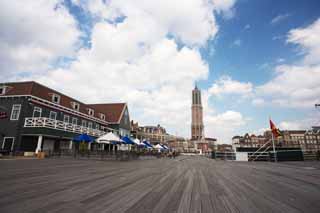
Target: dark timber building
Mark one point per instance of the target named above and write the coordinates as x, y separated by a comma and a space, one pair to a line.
34, 117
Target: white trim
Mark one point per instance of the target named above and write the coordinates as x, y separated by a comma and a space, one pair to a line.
58, 107
66, 116
74, 121
4, 90
59, 125
55, 96
119, 120
74, 104
11, 144
11, 119
37, 109
90, 112
55, 115
90, 125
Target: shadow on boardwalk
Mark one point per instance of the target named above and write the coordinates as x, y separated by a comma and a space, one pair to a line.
184, 184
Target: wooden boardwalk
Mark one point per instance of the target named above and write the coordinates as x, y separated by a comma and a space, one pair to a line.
185, 184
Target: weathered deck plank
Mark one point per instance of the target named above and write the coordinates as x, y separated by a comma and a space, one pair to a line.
184, 184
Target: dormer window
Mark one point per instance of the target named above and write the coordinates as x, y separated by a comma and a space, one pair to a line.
91, 112
102, 116
2, 90
56, 98
76, 106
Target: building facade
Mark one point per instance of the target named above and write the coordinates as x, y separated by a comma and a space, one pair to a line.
34, 117
153, 134
307, 140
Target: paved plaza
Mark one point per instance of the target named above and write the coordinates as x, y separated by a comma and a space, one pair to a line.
185, 184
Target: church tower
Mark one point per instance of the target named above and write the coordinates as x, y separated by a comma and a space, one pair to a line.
197, 128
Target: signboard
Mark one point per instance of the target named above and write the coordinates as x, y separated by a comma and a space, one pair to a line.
241, 156
3, 115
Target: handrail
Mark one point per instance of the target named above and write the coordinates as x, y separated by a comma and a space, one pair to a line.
256, 157
60, 125
261, 148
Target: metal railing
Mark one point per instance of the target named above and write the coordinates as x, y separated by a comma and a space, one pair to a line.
42, 122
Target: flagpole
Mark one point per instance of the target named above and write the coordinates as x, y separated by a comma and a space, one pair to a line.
274, 149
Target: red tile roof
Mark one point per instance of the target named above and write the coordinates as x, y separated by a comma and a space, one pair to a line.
112, 111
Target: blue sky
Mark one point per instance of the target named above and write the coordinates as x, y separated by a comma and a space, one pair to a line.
252, 59
262, 44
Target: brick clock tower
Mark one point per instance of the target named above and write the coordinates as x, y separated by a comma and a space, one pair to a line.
197, 131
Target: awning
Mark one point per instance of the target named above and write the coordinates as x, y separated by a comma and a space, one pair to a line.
147, 144
83, 138
127, 140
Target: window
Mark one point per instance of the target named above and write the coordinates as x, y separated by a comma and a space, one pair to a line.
91, 112
84, 123
2, 90
74, 121
36, 112
102, 116
76, 106
16, 108
97, 126
8, 143
90, 125
66, 118
56, 98
53, 115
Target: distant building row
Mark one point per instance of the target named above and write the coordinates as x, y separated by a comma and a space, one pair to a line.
307, 140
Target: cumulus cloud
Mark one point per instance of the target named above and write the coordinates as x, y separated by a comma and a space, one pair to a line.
225, 85
224, 125
308, 40
33, 35
298, 124
297, 85
141, 52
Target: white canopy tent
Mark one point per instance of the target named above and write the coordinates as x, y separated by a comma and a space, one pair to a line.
108, 139
158, 146
137, 141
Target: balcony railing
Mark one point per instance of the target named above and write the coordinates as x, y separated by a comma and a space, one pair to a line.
60, 125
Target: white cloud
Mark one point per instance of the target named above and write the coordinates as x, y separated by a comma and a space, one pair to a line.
280, 18
34, 34
224, 125
237, 43
226, 7
280, 60
308, 40
247, 27
225, 85
297, 85
137, 60
258, 102
303, 124
191, 22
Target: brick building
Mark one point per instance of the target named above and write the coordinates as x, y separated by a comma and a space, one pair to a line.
154, 134
307, 140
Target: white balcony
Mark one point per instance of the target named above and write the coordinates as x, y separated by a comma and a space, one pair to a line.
42, 122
